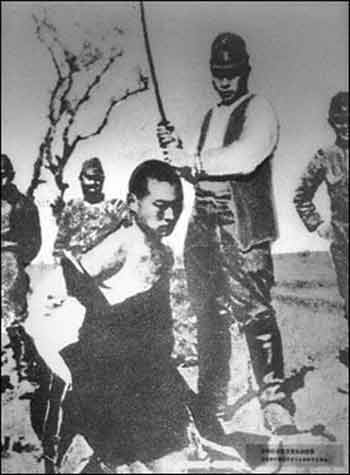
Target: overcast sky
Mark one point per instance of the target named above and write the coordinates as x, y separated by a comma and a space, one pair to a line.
299, 60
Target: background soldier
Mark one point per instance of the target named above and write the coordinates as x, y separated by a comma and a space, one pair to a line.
330, 165
84, 222
20, 243
227, 249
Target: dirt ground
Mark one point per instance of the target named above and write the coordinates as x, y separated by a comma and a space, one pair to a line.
313, 330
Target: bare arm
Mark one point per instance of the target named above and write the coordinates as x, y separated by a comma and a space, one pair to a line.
105, 258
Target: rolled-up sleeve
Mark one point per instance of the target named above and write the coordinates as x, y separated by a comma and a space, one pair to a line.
258, 140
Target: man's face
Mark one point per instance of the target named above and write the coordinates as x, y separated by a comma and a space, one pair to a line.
92, 183
158, 212
226, 84
340, 124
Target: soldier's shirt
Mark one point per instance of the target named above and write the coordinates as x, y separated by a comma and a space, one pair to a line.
6, 209
330, 166
83, 225
258, 138
20, 243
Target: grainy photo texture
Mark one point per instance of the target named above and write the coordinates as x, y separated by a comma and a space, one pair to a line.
174, 237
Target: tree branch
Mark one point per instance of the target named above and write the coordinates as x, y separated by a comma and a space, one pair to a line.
86, 96
55, 62
38, 164
64, 104
97, 79
143, 86
52, 102
63, 110
56, 110
52, 31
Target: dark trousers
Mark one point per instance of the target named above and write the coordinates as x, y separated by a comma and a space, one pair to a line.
340, 255
15, 284
227, 285
48, 408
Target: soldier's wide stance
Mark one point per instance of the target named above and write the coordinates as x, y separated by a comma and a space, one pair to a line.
228, 244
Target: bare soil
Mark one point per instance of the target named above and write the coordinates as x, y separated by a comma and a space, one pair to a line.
310, 315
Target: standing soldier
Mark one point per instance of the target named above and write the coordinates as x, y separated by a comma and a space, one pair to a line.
227, 249
84, 222
20, 243
330, 165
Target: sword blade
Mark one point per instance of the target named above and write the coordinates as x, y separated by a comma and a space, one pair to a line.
164, 120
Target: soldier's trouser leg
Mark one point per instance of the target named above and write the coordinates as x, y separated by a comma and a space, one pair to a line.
226, 284
213, 329
48, 407
24, 352
52, 425
16, 344
15, 304
250, 277
339, 252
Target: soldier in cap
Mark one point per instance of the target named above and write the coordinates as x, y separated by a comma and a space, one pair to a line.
20, 243
330, 165
227, 249
84, 222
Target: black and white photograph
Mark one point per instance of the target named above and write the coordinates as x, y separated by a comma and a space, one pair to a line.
174, 237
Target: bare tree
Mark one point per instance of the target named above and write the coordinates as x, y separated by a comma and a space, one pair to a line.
66, 101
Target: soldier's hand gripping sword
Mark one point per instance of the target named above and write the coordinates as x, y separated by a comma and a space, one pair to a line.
164, 123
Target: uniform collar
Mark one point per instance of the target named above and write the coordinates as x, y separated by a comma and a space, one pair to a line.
236, 103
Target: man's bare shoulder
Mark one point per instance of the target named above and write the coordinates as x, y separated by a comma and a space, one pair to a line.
120, 242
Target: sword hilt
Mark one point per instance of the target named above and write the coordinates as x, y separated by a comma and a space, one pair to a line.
170, 128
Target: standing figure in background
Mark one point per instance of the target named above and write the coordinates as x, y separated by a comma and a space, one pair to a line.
20, 244
228, 245
84, 222
330, 165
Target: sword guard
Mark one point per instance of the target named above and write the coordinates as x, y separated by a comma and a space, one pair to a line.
165, 123
166, 155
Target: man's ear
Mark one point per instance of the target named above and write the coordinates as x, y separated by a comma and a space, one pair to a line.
132, 202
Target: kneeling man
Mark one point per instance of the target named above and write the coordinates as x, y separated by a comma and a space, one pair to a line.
127, 397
